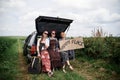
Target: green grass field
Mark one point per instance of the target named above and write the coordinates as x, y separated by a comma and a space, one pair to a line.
13, 65
8, 58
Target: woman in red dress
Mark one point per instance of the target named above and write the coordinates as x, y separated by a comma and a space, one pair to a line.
53, 51
42, 46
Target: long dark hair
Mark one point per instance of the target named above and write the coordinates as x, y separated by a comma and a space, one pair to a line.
43, 36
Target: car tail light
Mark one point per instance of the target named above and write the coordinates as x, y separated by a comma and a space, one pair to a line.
33, 49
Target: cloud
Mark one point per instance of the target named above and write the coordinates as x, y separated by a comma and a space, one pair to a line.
103, 15
21, 15
12, 3
76, 4
29, 18
87, 4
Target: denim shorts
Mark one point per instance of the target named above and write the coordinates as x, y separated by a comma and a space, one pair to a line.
64, 56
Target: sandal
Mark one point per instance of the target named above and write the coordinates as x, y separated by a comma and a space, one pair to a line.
50, 74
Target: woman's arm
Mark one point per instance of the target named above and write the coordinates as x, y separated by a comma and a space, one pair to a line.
47, 43
38, 44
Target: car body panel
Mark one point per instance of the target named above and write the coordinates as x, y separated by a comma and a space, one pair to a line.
52, 23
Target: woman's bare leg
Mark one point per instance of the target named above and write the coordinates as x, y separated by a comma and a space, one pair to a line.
68, 63
64, 68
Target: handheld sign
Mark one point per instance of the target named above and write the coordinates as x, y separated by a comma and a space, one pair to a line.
71, 44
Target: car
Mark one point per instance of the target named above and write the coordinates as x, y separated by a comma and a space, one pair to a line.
44, 23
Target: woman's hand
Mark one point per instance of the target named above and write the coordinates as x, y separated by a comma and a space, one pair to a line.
38, 55
42, 41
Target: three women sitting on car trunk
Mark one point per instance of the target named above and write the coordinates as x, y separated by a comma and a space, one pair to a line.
47, 49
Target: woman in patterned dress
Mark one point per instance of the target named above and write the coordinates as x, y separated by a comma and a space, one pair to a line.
42, 46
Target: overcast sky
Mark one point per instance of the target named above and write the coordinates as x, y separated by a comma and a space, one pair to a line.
17, 17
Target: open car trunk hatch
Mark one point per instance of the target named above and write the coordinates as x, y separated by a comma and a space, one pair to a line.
51, 23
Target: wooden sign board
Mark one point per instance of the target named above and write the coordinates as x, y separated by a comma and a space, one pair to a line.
71, 44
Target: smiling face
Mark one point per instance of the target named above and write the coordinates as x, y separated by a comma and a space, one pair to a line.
53, 33
62, 34
45, 34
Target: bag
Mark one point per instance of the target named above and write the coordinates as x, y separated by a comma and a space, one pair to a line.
35, 66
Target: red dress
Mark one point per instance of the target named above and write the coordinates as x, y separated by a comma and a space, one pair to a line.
45, 58
46, 66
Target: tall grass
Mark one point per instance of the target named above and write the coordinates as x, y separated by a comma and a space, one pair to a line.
59, 75
8, 58
101, 56
105, 48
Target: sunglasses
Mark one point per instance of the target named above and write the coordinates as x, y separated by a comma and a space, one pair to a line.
53, 33
46, 33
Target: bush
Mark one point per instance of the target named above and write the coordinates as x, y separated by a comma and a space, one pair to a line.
103, 48
106, 49
114, 48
